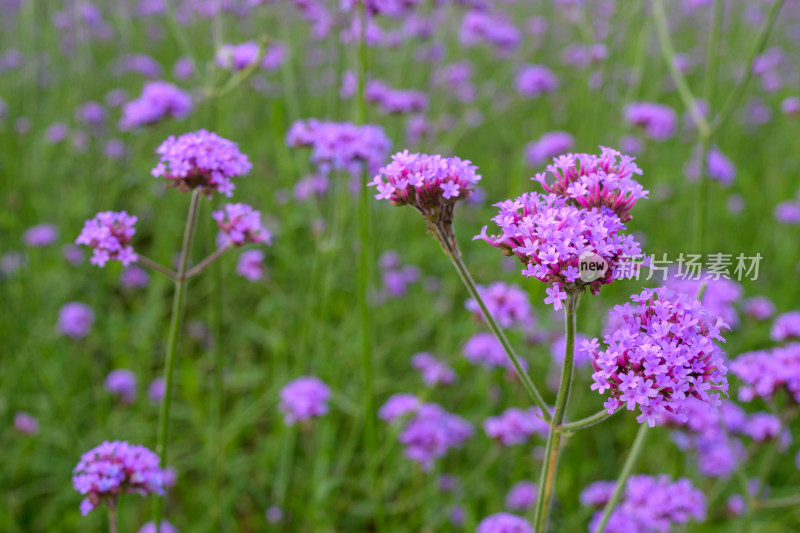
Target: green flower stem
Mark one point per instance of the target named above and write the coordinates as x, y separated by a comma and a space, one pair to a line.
450, 246
583, 423
630, 462
548, 478
112, 519
778, 503
152, 265
199, 267
178, 301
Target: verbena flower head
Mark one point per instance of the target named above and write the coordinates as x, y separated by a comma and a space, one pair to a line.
341, 146
764, 372
549, 145
658, 121
115, 468
553, 239
516, 426
434, 372
496, 29
507, 303
242, 224
588, 180
535, 80
158, 100
109, 235
166, 527
719, 298
303, 399
758, 307
238, 56
201, 159
429, 431
25, 423
649, 504
430, 183
504, 523
485, 350
40, 235
251, 265
395, 101
522, 496
75, 320
661, 352
786, 327
122, 382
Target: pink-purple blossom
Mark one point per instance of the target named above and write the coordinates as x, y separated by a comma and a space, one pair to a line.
242, 224
549, 145
516, 426
75, 320
159, 100
786, 327
522, 496
303, 399
109, 235
504, 523
434, 372
251, 265
659, 121
25, 423
765, 372
507, 303
122, 383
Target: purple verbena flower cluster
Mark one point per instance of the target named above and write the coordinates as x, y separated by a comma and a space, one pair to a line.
496, 29
242, 224
507, 303
485, 350
658, 121
75, 320
764, 372
534, 80
504, 523
238, 56
522, 496
661, 353
122, 383
201, 159
159, 100
303, 399
115, 468
516, 426
786, 327
548, 146
434, 372
109, 234
392, 100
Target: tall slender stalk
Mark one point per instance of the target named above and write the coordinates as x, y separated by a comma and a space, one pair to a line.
112, 519
176, 320
550, 467
630, 462
450, 246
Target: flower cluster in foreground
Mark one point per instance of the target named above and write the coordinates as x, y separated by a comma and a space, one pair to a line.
115, 468
109, 235
242, 224
201, 159
661, 352
649, 503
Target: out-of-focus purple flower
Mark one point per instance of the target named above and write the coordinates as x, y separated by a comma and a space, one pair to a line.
11, 262
788, 212
201, 159
735, 204
304, 398
138, 63
134, 277
507, 303
447, 482
791, 106
763, 426
122, 382
238, 56
496, 29
166, 527
736, 505
719, 167
25, 423
651, 503
430, 432
183, 68
75, 320
242, 224
391, 100
434, 372
56, 133
114, 149
22, 126
516, 426
274, 514
484, 349
548, 146
630, 144
157, 389
456, 515
399, 405
116, 97
40, 235
661, 352
109, 234
91, 113
274, 56
522, 496
786, 327
759, 307
341, 146
251, 265
73, 254
312, 186
534, 80
456, 79
559, 347
504, 523
764, 372
159, 100
115, 468
597, 494
659, 121
720, 297
396, 276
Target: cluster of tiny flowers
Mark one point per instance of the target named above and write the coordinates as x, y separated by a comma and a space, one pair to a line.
535, 80
237, 56
661, 352
341, 146
649, 504
522, 496
122, 383
786, 327
764, 372
75, 320
516, 426
430, 183
658, 121
392, 100
428, 430
201, 159
304, 398
604, 180
479, 26
434, 372
485, 350
166, 527
758, 308
115, 468
551, 238
158, 100
395, 275
109, 235
40, 235
251, 265
504, 523
549, 145
242, 224
719, 298
507, 303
